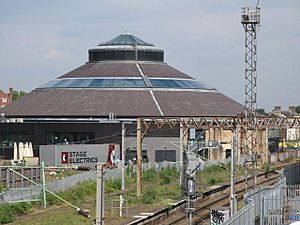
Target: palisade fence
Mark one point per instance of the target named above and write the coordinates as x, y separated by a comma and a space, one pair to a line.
281, 156
253, 208
274, 205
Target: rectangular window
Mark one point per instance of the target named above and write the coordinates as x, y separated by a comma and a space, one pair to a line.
70, 138
165, 155
228, 154
131, 155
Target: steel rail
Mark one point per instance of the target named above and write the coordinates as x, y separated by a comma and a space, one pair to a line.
165, 214
202, 211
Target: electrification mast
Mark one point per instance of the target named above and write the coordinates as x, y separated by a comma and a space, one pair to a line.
250, 20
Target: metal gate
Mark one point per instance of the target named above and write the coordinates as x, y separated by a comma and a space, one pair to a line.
281, 206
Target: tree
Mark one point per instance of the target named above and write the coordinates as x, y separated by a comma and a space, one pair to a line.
298, 109
261, 111
17, 94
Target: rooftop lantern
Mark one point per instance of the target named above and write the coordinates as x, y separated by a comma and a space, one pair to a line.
126, 47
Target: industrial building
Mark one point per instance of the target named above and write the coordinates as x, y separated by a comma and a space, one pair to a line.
124, 78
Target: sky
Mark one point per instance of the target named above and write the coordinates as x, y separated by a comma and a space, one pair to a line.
41, 40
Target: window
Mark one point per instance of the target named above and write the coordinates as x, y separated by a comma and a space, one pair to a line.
131, 155
96, 83
119, 82
228, 154
165, 155
170, 83
70, 138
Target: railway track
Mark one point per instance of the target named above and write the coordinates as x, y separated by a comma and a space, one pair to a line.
217, 197
202, 208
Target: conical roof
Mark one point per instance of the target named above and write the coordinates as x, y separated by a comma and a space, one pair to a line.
114, 82
125, 39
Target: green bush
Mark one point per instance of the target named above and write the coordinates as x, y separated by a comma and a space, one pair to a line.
76, 194
6, 214
214, 181
149, 196
113, 186
1, 187
149, 175
213, 169
166, 174
21, 208
9, 211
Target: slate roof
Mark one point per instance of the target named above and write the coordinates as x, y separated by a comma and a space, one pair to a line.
123, 103
125, 69
104, 69
175, 93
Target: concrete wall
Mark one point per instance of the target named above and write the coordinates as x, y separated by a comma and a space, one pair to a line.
151, 144
75, 155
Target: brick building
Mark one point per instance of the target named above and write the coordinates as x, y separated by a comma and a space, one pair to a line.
5, 98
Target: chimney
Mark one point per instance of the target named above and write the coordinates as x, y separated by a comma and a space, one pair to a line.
292, 109
10, 95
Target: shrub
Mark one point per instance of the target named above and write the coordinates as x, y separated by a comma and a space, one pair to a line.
6, 214
9, 211
76, 194
214, 181
213, 169
113, 186
166, 174
149, 196
149, 175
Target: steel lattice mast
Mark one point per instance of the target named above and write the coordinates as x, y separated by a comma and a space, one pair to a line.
250, 20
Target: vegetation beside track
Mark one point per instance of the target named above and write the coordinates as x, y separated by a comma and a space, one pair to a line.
159, 189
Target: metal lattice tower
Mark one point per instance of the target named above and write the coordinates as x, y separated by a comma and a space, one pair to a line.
250, 20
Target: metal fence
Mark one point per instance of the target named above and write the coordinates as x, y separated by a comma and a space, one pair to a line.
245, 216
281, 208
281, 156
274, 205
71, 181
292, 173
253, 209
28, 194
32, 193
11, 180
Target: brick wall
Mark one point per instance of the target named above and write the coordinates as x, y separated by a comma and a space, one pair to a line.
5, 98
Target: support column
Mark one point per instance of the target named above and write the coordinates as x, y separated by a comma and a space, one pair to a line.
43, 183
184, 145
267, 145
181, 153
100, 196
139, 158
234, 149
123, 169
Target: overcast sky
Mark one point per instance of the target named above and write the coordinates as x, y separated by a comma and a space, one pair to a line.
41, 40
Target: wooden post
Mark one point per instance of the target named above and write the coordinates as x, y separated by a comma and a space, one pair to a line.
139, 158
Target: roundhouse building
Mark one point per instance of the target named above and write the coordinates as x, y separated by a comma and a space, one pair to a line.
123, 79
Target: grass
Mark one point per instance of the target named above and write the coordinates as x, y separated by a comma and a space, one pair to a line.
8, 212
159, 188
213, 175
57, 216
